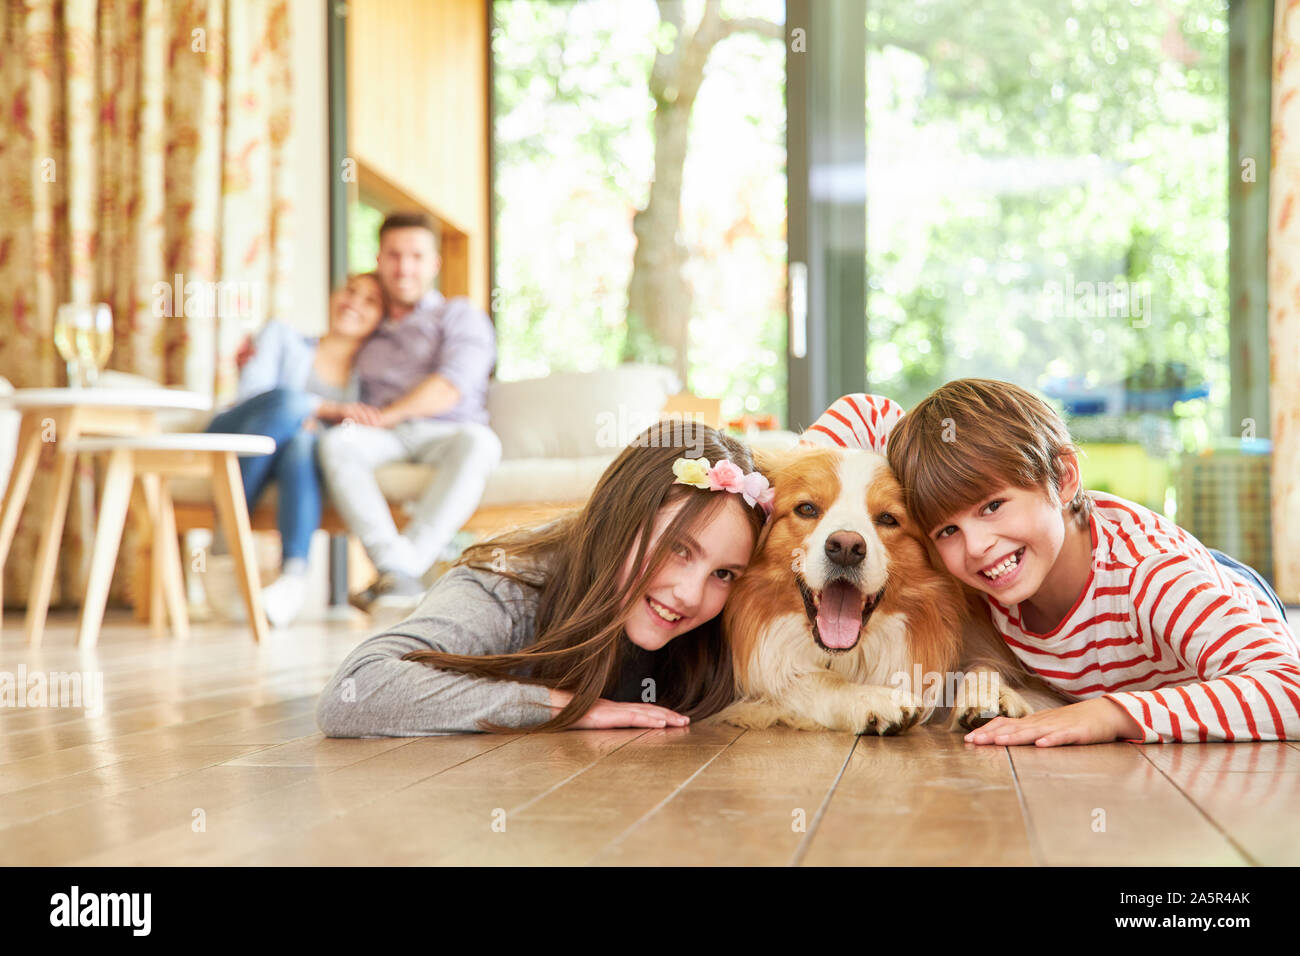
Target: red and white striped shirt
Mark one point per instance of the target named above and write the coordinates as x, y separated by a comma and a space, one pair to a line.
1189, 648
855, 421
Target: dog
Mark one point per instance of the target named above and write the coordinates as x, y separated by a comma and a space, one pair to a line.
845, 603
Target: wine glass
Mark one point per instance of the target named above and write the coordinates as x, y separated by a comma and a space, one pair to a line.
66, 322
94, 339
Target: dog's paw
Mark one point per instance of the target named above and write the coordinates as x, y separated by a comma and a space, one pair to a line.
750, 714
884, 712
980, 701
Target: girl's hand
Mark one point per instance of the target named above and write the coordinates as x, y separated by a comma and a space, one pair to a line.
1095, 721
605, 714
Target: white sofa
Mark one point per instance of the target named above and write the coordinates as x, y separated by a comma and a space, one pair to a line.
558, 434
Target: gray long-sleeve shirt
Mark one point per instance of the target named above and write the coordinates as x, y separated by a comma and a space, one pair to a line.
377, 694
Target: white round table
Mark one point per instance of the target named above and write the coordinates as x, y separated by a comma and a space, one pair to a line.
56, 416
153, 459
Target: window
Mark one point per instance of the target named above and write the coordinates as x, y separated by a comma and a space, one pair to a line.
574, 146
1046, 204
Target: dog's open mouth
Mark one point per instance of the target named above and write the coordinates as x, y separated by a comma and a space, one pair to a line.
838, 613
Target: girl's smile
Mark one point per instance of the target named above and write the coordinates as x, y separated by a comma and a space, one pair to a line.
665, 614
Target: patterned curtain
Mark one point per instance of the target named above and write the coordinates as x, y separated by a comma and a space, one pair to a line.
143, 164
1284, 299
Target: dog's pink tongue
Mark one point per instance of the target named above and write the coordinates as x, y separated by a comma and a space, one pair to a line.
839, 616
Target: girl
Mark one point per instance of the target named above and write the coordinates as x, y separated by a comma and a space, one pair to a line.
288, 384
606, 617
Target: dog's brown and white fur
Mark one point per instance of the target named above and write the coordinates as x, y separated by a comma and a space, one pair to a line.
840, 541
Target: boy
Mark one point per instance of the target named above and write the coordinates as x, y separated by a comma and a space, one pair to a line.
1157, 637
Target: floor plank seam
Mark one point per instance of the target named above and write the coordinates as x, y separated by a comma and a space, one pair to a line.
1031, 831
1250, 860
451, 766
10, 824
276, 789
31, 733
388, 793
805, 844
573, 776
664, 802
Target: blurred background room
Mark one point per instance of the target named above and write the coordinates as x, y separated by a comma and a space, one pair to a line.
776, 202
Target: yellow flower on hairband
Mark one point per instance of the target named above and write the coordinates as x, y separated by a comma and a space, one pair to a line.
692, 471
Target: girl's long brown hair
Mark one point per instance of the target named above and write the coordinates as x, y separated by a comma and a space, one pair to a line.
580, 645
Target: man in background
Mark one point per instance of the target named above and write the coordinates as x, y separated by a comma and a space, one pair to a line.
424, 373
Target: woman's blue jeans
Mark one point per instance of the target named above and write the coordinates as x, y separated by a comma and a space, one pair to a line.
280, 414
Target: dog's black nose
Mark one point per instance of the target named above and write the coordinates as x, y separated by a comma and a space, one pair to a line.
846, 548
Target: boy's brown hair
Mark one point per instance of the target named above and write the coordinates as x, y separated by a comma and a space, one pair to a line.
972, 436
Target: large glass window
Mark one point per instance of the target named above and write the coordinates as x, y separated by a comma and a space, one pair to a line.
576, 150
1047, 204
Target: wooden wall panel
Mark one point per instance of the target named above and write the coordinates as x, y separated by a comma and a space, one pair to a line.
418, 111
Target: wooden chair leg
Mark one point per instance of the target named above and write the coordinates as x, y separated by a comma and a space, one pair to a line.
228, 490
146, 586
108, 537
47, 554
20, 481
167, 563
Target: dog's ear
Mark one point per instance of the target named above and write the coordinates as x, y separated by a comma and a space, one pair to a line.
769, 460
775, 458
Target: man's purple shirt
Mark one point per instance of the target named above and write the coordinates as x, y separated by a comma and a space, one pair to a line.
448, 336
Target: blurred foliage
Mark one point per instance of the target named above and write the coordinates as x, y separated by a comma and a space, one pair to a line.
1015, 147
574, 153
363, 236
1017, 150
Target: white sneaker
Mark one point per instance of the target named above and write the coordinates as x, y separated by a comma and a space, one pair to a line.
221, 586
283, 599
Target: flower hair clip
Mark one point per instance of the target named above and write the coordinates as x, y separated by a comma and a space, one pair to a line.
725, 476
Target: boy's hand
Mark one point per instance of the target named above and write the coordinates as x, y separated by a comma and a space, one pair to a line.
1095, 721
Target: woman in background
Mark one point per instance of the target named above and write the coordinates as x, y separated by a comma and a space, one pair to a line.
290, 384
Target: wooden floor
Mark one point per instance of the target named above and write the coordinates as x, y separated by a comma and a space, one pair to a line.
207, 753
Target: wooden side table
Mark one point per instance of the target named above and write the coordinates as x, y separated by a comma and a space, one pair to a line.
153, 459
59, 415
